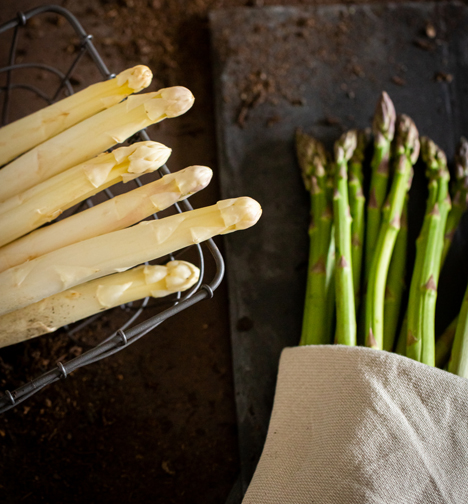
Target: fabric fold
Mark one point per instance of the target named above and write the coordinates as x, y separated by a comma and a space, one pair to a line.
355, 425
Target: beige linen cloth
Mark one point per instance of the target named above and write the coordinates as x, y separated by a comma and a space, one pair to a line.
354, 425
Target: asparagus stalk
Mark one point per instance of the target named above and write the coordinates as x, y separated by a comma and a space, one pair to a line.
30, 131
407, 151
330, 287
331, 257
312, 160
93, 297
383, 129
345, 308
357, 204
120, 250
444, 344
400, 348
459, 203
420, 343
91, 137
112, 215
395, 282
46, 201
453, 218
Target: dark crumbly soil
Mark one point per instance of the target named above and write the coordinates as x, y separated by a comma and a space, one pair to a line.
156, 423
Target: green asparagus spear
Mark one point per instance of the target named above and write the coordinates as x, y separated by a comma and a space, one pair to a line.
407, 151
459, 205
460, 192
345, 309
396, 282
312, 160
420, 343
330, 289
383, 129
400, 348
444, 344
330, 282
357, 203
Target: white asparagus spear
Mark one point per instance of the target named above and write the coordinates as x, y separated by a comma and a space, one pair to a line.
91, 137
26, 133
116, 213
120, 250
93, 297
46, 201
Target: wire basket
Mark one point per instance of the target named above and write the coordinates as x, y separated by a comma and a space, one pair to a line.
127, 333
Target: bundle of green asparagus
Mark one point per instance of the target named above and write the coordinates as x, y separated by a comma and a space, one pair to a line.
53, 275
358, 266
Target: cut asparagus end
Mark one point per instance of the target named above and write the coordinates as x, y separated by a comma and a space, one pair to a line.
383, 125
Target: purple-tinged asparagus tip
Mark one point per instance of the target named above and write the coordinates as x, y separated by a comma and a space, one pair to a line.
363, 138
312, 157
344, 147
461, 160
407, 138
383, 125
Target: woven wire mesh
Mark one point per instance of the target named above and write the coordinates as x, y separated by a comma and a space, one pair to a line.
127, 333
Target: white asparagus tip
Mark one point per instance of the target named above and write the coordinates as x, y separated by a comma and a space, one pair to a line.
193, 179
178, 276
137, 78
239, 213
178, 100
143, 156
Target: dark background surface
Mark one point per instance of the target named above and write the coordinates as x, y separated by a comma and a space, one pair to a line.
157, 423
320, 69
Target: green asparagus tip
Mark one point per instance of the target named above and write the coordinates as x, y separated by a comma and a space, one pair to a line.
345, 146
312, 157
432, 155
407, 138
363, 138
383, 125
434, 158
461, 161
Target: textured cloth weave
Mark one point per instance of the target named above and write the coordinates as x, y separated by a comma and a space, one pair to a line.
358, 426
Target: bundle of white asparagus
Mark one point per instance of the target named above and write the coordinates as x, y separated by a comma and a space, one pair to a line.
53, 275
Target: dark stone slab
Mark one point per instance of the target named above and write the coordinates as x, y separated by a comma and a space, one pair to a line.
321, 69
